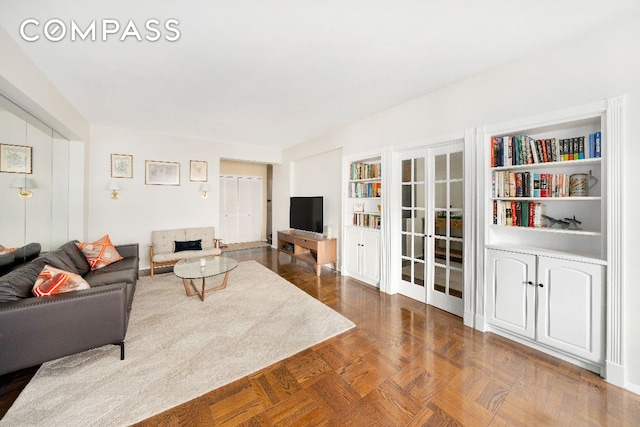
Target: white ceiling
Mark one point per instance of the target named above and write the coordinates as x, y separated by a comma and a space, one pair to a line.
280, 72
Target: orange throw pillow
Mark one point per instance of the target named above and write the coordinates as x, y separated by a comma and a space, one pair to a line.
53, 281
100, 253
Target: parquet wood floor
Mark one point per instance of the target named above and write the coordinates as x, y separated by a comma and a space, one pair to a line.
405, 364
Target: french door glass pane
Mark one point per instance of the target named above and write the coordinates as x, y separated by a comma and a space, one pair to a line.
440, 279
419, 201
406, 249
455, 160
441, 167
440, 251
418, 175
440, 228
418, 224
440, 195
455, 282
418, 273
456, 195
406, 196
406, 170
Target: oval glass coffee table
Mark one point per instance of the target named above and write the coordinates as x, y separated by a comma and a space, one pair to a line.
192, 269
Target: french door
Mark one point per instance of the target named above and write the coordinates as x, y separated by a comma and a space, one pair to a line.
431, 232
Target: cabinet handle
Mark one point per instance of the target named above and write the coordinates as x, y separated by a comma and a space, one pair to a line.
540, 285
530, 283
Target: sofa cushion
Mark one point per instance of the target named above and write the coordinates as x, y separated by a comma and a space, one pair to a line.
125, 270
206, 234
162, 241
190, 245
69, 258
164, 257
17, 284
100, 253
53, 281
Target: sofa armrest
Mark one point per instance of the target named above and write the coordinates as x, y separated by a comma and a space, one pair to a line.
36, 330
129, 250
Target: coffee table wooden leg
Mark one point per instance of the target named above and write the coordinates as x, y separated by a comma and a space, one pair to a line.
191, 290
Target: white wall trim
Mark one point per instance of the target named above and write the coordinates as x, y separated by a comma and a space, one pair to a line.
615, 242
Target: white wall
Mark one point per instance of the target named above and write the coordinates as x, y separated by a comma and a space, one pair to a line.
142, 208
321, 175
602, 65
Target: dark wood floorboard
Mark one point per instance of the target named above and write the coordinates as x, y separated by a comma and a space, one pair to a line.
405, 364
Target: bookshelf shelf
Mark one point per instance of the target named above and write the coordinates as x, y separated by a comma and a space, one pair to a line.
550, 230
560, 164
552, 199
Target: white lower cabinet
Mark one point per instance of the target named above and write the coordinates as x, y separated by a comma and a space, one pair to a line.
363, 254
551, 301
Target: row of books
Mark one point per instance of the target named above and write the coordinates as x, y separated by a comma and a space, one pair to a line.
519, 214
528, 184
522, 149
366, 220
365, 170
366, 189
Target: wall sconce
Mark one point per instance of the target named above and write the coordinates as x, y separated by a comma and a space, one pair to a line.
114, 188
204, 190
24, 186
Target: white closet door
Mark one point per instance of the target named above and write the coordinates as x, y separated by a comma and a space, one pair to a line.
241, 209
256, 209
229, 208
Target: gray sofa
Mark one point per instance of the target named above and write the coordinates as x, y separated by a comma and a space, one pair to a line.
34, 330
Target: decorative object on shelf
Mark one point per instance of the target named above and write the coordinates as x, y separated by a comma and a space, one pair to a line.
573, 223
24, 186
579, 184
161, 173
114, 187
358, 206
552, 221
121, 166
198, 170
204, 191
16, 158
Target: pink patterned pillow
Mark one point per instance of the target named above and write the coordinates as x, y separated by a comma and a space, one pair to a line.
53, 281
100, 253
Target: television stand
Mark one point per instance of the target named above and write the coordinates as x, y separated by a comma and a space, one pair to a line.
312, 248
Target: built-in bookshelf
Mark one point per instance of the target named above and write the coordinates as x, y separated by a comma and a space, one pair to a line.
362, 220
545, 186
365, 192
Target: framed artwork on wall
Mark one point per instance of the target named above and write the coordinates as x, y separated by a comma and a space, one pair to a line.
161, 173
198, 171
121, 166
16, 158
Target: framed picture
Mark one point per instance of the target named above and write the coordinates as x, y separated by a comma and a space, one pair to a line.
198, 171
121, 166
358, 206
16, 158
161, 173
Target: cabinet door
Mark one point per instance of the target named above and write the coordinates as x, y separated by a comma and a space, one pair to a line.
570, 307
511, 291
371, 255
353, 250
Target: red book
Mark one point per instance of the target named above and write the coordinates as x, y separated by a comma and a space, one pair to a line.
514, 216
532, 211
544, 151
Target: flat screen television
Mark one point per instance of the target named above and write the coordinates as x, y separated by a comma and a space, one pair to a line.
305, 213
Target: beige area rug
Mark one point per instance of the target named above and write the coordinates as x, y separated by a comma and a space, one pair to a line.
246, 245
178, 348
